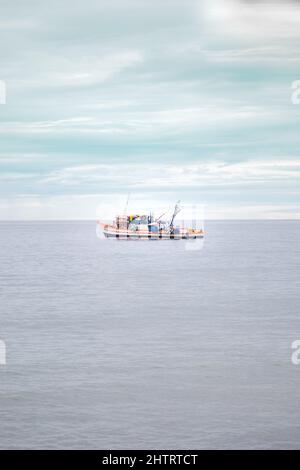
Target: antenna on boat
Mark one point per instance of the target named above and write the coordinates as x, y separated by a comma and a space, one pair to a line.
126, 205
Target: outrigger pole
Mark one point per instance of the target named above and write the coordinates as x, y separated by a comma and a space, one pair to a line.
176, 210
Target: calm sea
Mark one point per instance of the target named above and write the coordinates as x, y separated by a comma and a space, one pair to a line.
123, 344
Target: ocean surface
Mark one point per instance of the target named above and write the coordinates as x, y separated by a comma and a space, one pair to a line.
146, 344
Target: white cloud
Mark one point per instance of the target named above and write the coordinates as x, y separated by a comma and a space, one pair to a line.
254, 211
178, 176
89, 71
263, 54
22, 158
176, 120
15, 176
73, 125
242, 19
18, 24
105, 207
79, 71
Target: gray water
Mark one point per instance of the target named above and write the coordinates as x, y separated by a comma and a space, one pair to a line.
116, 344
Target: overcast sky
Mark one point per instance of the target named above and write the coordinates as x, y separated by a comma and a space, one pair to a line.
172, 99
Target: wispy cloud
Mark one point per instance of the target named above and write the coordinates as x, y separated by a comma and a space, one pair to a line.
269, 54
73, 71
159, 97
179, 120
178, 176
243, 19
89, 207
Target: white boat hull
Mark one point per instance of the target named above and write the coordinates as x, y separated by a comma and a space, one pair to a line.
109, 231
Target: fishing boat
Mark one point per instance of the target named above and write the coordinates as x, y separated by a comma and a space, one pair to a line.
147, 227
